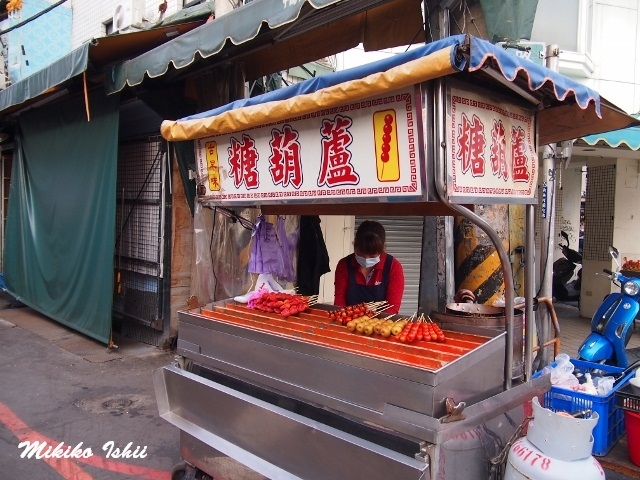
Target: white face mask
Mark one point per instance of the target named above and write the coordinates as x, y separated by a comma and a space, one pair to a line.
367, 262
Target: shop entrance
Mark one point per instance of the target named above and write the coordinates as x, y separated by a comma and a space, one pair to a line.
140, 307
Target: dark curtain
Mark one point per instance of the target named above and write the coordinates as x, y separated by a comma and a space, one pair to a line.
313, 258
59, 246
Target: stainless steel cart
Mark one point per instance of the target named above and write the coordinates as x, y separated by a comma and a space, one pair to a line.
302, 398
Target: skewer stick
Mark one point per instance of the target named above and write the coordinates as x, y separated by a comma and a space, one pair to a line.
379, 306
375, 304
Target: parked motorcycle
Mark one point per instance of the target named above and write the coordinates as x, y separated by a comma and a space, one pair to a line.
611, 326
567, 273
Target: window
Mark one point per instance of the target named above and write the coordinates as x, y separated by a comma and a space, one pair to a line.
108, 27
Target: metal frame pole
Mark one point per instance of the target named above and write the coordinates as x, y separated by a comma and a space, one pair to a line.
548, 214
439, 157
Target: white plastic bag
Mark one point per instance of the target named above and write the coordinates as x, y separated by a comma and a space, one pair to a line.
604, 385
562, 371
589, 387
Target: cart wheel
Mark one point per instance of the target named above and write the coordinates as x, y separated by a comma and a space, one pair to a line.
183, 471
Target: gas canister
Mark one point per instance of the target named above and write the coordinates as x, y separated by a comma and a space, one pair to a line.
557, 446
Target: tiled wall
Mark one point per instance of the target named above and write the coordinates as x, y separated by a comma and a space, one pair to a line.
90, 16
39, 42
599, 212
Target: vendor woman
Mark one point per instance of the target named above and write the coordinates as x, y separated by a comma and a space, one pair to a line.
369, 273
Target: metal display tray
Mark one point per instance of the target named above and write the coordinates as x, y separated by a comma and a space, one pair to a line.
403, 397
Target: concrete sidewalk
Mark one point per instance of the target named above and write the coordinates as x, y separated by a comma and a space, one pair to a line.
574, 329
70, 340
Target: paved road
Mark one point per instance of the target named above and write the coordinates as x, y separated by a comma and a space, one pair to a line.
52, 395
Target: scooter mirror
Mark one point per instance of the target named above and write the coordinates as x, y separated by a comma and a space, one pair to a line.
565, 236
615, 254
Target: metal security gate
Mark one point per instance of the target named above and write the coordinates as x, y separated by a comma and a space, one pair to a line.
404, 242
140, 308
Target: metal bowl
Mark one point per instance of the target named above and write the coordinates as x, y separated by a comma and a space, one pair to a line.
474, 309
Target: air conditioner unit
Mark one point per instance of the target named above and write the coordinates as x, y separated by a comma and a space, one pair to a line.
127, 13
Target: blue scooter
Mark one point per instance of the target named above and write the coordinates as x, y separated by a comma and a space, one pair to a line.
611, 326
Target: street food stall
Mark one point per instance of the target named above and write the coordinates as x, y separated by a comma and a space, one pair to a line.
432, 131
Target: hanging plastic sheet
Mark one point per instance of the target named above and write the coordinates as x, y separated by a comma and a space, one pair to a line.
204, 284
230, 249
222, 244
289, 247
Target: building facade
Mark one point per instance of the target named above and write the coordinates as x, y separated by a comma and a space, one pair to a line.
598, 184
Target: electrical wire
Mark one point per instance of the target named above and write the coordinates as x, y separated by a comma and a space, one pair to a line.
32, 18
415, 36
473, 20
236, 218
457, 25
516, 285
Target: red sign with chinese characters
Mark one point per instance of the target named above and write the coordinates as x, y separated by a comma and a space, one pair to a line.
364, 151
491, 150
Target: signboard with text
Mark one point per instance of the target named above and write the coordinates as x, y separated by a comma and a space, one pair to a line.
532, 51
491, 147
365, 151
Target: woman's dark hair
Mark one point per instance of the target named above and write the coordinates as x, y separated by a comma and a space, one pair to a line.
370, 238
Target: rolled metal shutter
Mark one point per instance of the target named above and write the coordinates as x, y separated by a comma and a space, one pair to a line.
404, 242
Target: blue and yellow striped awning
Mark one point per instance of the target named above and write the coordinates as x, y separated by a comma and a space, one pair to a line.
568, 109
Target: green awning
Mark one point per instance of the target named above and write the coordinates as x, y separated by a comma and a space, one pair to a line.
58, 72
94, 54
273, 23
629, 137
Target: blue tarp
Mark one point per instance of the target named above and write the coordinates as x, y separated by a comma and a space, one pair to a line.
335, 78
481, 53
538, 75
